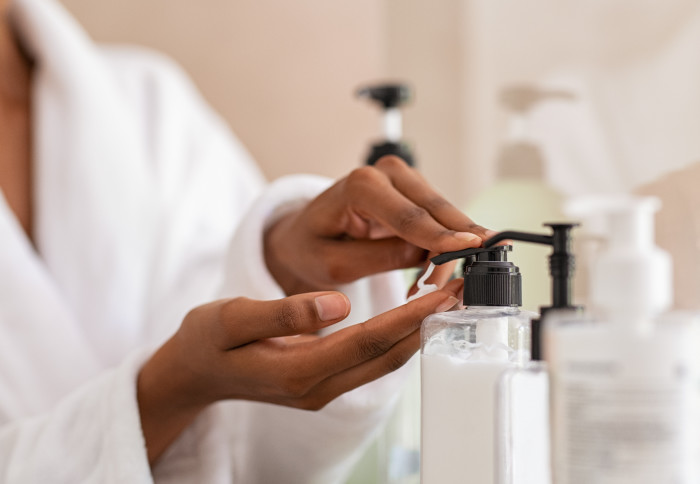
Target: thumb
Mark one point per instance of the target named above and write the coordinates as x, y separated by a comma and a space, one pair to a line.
243, 320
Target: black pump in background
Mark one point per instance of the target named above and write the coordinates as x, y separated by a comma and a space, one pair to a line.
561, 269
390, 97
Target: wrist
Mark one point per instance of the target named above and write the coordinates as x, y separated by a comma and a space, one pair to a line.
168, 400
276, 247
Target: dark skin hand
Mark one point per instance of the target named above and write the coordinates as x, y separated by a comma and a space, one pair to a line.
242, 349
376, 219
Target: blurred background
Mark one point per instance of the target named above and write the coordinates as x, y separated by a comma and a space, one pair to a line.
620, 109
283, 75
518, 105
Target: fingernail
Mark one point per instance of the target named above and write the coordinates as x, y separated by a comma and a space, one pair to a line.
468, 236
491, 233
331, 306
446, 304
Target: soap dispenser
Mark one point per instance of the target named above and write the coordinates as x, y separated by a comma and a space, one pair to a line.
623, 378
463, 355
523, 423
390, 97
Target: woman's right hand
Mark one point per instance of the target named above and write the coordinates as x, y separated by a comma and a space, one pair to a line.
266, 351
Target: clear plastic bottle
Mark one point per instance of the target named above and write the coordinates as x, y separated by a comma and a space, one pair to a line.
464, 353
624, 378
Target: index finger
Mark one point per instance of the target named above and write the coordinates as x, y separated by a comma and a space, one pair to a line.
411, 183
366, 341
373, 195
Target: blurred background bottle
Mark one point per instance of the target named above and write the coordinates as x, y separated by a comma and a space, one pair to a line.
521, 198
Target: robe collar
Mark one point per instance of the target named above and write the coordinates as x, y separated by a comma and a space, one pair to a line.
95, 214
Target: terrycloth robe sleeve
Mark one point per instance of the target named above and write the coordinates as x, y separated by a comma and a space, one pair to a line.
92, 435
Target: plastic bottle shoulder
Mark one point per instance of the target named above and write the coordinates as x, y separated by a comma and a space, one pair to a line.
479, 313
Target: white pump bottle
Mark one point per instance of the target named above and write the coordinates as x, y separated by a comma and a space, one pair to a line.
624, 386
464, 354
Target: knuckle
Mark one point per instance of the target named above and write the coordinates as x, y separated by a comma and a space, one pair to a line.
231, 308
194, 324
228, 311
371, 346
408, 257
288, 317
475, 228
293, 388
337, 272
313, 404
410, 217
436, 203
390, 162
195, 314
292, 384
394, 361
363, 176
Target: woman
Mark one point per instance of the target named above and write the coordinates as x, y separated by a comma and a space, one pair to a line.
130, 214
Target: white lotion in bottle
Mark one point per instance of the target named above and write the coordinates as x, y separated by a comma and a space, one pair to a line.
624, 380
463, 356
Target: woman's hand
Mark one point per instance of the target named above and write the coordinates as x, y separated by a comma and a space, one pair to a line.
266, 351
379, 218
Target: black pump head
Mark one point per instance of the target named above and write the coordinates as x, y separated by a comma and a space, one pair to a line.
379, 150
561, 262
489, 278
387, 95
561, 270
390, 97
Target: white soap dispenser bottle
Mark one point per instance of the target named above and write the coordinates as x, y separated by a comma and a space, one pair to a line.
623, 380
463, 355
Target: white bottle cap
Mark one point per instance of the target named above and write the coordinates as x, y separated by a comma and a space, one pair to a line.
631, 274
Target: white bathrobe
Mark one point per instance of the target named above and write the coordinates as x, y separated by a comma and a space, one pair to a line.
145, 206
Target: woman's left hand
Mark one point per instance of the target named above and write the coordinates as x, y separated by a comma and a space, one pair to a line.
378, 218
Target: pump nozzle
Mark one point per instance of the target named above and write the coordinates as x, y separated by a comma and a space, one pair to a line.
561, 262
561, 270
561, 267
390, 97
489, 278
387, 95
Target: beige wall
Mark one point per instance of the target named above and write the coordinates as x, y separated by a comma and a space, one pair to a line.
282, 73
426, 45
